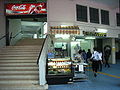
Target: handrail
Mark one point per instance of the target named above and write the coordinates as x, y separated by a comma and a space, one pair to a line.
41, 49
2, 37
14, 35
11, 37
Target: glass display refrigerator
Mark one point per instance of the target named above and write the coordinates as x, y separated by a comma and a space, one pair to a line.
59, 70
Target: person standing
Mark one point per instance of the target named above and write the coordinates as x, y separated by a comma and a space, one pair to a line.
78, 56
95, 61
84, 55
89, 54
78, 59
107, 52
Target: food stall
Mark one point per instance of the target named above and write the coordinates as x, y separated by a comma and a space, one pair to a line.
60, 68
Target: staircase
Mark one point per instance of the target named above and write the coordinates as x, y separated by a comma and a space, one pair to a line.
30, 41
18, 66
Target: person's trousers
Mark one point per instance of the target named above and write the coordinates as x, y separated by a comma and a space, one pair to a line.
106, 62
100, 65
95, 66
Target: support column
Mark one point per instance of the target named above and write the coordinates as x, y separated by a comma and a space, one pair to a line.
113, 51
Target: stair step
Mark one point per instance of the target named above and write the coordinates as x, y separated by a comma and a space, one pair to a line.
17, 64
23, 77
20, 55
21, 47
10, 68
18, 72
23, 87
25, 47
18, 58
18, 81
26, 44
37, 46
11, 53
30, 42
20, 50
18, 61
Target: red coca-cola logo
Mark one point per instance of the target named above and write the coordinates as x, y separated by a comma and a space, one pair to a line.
29, 8
21, 7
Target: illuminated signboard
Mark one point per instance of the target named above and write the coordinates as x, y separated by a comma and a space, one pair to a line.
23, 9
94, 34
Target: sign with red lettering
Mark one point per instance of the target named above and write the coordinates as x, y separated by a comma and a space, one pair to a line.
23, 9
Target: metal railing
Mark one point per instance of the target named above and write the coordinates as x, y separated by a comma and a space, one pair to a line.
12, 37
3, 40
2, 37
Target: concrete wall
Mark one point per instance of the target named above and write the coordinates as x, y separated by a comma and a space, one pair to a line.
15, 28
2, 24
61, 12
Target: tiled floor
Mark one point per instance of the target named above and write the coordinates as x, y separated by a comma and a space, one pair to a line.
108, 79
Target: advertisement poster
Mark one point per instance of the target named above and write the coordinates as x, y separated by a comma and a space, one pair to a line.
26, 9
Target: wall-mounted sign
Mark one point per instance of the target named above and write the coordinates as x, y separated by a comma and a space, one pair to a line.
65, 30
23, 9
86, 33
64, 27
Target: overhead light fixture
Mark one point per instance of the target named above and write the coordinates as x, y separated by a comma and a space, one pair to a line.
45, 27
101, 30
89, 37
63, 25
65, 36
35, 36
80, 40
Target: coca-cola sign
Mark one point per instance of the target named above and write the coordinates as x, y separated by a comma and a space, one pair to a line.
23, 9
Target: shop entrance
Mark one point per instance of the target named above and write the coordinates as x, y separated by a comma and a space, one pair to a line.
81, 44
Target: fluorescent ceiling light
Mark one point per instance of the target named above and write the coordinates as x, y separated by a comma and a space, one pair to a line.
63, 25
101, 30
89, 37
